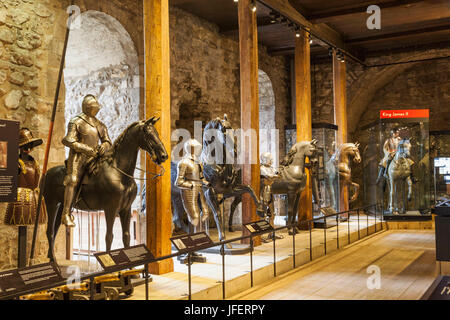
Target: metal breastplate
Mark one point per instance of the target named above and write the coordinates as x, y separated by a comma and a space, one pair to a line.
87, 133
29, 178
193, 171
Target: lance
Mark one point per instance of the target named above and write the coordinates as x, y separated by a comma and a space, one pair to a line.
49, 140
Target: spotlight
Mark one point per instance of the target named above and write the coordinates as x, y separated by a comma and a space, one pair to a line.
311, 41
330, 51
253, 6
297, 31
273, 16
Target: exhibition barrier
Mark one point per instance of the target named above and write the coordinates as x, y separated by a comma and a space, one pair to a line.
189, 251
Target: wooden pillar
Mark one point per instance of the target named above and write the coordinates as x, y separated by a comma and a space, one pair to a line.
303, 114
248, 49
340, 115
157, 103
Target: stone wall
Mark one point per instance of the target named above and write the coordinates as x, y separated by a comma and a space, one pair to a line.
31, 42
205, 75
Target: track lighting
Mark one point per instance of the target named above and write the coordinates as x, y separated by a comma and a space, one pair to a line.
273, 16
330, 51
297, 31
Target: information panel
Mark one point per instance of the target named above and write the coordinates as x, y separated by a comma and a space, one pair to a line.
9, 159
439, 290
123, 257
258, 226
197, 241
14, 281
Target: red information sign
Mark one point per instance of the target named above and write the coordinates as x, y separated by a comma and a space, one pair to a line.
402, 114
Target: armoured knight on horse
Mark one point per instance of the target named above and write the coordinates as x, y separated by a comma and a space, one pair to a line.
83, 134
389, 148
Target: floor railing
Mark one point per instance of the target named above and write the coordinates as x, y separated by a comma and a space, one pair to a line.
343, 217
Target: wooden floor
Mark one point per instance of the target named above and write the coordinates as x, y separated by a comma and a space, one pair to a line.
406, 259
207, 277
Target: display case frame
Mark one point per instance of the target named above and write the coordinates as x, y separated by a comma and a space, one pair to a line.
326, 168
412, 128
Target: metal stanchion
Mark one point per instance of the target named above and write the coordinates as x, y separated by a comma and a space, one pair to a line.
367, 226
359, 235
337, 231
223, 271
274, 256
146, 281
251, 261
348, 226
325, 236
310, 241
92, 288
376, 209
293, 247
189, 277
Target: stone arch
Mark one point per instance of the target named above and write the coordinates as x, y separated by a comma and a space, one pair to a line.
367, 86
102, 60
268, 139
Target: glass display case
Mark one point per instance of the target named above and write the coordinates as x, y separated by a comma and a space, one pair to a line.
440, 158
396, 164
326, 167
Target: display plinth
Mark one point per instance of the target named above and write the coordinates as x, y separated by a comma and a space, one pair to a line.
321, 224
234, 249
329, 219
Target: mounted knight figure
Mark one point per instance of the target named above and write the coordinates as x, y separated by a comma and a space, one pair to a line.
83, 135
107, 182
219, 169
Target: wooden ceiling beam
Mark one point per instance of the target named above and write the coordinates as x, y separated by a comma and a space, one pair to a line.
261, 22
326, 15
321, 31
399, 34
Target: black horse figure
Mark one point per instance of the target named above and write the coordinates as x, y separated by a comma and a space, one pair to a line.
111, 187
223, 176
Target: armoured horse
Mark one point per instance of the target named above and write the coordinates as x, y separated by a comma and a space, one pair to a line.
399, 176
219, 169
346, 153
292, 179
110, 187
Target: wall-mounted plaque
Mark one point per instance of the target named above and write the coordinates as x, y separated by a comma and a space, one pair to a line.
197, 241
122, 257
14, 281
258, 226
9, 159
327, 211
